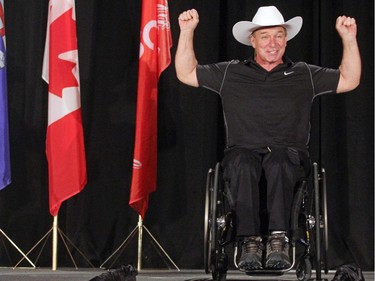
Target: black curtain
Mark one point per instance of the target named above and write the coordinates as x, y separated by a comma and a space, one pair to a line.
190, 132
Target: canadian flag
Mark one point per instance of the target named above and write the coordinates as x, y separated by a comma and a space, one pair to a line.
154, 57
65, 142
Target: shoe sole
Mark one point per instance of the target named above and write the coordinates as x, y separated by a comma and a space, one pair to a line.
277, 264
246, 266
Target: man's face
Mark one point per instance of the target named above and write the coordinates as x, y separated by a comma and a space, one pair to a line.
269, 44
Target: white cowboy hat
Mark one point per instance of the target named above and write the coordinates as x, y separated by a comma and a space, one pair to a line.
265, 16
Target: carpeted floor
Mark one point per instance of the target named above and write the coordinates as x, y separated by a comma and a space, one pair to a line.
71, 274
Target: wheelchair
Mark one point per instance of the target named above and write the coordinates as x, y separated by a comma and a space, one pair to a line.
309, 230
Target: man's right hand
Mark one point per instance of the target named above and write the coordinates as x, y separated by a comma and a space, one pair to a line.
188, 20
185, 60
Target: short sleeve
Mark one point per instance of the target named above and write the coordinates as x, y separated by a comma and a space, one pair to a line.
325, 80
211, 76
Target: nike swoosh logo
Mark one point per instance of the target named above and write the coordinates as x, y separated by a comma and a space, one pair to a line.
288, 73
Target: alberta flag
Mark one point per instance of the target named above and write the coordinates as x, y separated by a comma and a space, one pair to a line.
154, 58
5, 175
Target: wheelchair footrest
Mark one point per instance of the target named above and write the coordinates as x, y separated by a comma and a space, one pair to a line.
267, 272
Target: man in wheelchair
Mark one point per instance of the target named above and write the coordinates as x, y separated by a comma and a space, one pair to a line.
283, 167
266, 105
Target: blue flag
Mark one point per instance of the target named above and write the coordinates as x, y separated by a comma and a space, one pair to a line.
5, 176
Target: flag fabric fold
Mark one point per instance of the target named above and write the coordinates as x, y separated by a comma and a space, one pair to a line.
65, 148
154, 58
5, 170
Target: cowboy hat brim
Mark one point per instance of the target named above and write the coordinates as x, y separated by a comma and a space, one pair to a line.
243, 29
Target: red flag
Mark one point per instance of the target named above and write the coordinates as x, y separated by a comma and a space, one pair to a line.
2, 21
65, 143
154, 57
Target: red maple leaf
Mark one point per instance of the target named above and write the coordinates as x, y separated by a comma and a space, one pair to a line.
62, 39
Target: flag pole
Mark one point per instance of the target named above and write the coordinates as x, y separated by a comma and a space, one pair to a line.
54, 243
139, 227
18, 249
65, 239
140, 234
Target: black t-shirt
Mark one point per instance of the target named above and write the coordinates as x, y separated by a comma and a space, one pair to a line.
264, 108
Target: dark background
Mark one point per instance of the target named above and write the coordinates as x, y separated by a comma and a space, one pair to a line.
190, 132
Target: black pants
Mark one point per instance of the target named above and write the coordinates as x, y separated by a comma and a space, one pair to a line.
282, 168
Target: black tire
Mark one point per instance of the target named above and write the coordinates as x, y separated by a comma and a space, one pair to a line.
219, 276
219, 267
325, 221
215, 258
213, 245
207, 211
317, 214
304, 269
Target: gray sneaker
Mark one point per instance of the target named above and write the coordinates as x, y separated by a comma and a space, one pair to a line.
277, 256
251, 254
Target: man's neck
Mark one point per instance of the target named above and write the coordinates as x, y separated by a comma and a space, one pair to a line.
268, 65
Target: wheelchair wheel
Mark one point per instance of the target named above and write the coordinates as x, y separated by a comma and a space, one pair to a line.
207, 226
324, 224
321, 229
216, 260
304, 269
219, 267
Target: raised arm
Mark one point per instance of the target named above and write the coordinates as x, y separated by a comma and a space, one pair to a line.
350, 68
185, 61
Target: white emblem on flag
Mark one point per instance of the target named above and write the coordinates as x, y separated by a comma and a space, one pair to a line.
162, 23
2, 59
163, 19
137, 164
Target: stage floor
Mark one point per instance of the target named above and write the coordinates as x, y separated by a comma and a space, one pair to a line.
71, 274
